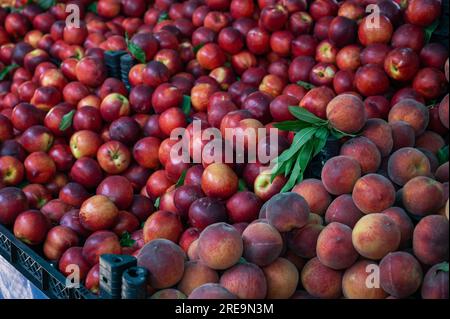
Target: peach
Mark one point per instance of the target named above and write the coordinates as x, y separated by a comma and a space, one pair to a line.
347, 113
303, 241
339, 174
195, 275
287, 211
403, 135
375, 235
298, 261
193, 250
379, 132
165, 262
219, 180
334, 246
400, 274
282, 279
343, 210
245, 280
442, 172
430, 240
265, 188
99, 243
431, 141
317, 99
262, 243
373, 193
168, 293
163, 224
98, 213
315, 219
315, 194
220, 246
404, 224
407, 163
354, 282
423, 196
432, 158
364, 151
321, 281
435, 283
412, 112
211, 291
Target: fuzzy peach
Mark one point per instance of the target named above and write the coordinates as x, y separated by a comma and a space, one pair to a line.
375, 235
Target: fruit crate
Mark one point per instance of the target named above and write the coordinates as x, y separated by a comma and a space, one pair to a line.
37, 270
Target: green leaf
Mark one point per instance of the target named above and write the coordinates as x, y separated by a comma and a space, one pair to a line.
306, 116
300, 139
23, 184
320, 140
295, 126
163, 16
157, 202
338, 134
66, 121
432, 103
293, 178
430, 30
135, 50
306, 85
126, 240
20, 9
242, 186
279, 168
6, 70
198, 47
304, 156
227, 64
46, 4
443, 155
186, 104
92, 7
180, 181
288, 166
443, 267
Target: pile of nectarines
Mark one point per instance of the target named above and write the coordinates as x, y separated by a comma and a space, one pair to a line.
87, 165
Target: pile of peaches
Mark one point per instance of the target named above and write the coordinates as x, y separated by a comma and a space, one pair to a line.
86, 166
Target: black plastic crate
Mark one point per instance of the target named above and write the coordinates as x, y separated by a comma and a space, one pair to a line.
37, 270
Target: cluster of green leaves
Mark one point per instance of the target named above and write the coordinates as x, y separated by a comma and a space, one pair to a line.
6, 71
135, 50
310, 138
